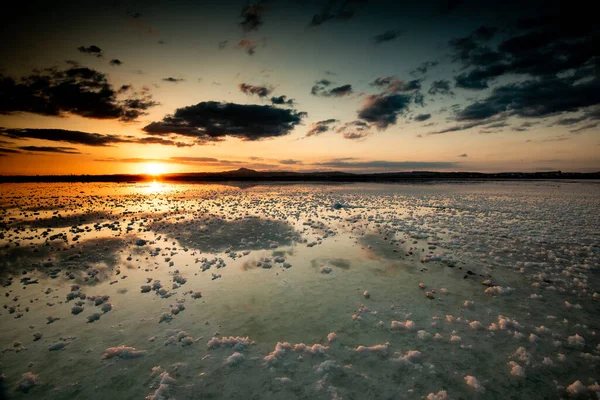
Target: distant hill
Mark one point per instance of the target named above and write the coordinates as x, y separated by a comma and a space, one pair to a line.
245, 174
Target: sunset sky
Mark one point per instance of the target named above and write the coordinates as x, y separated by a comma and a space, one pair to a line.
349, 85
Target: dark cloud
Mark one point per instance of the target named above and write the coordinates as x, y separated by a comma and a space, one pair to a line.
585, 127
116, 61
321, 88
50, 149
440, 87
463, 127
5, 150
173, 80
319, 127
336, 10
251, 17
213, 121
93, 50
387, 36
134, 14
534, 98
354, 130
422, 117
392, 84
281, 100
463, 155
590, 116
260, 91
382, 110
77, 90
555, 41
248, 45
397, 165
157, 140
83, 138
223, 44
355, 135
424, 67
124, 88
290, 162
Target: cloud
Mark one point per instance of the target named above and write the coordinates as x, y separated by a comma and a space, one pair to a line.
223, 44
248, 45
281, 100
379, 164
422, 117
78, 90
354, 130
211, 121
355, 135
83, 138
531, 48
463, 155
204, 161
382, 110
440, 87
392, 84
320, 88
462, 127
50, 149
157, 140
116, 62
424, 67
5, 150
260, 91
251, 17
93, 50
387, 36
336, 10
290, 162
534, 98
319, 127
173, 80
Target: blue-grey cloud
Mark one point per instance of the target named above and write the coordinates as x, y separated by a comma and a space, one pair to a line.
212, 121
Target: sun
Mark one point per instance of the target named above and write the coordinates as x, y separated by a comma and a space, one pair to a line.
154, 169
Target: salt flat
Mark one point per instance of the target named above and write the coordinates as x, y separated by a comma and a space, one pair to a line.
309, 291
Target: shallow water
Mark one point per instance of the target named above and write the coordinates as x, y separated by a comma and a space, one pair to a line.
482, 290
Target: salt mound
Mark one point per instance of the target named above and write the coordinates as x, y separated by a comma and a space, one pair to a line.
238, 343
474, 383
441, 395
499, 290
401, 326
576, 340
576, 388
381, 349
516, 370
27, 382
122, 352
234, 359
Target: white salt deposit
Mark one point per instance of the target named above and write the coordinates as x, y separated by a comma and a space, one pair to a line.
234, 359
401, 326
516, 369
122, 352
380, 349
474, 383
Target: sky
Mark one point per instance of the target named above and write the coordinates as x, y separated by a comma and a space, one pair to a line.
299, 85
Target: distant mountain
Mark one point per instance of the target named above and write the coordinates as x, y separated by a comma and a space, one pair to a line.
245, 174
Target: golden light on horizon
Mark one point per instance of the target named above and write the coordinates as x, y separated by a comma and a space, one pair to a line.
154, 169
